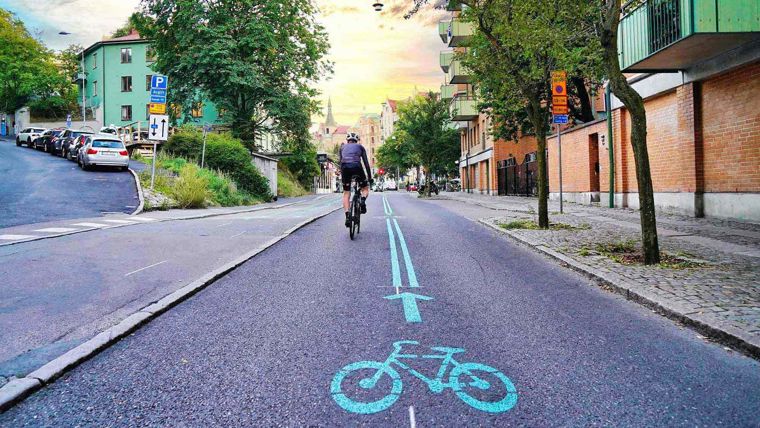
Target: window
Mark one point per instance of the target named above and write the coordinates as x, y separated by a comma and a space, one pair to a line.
126, 83
95, 88
108, 144
126, 112
126, 55
147, 81
197, 110
150, 54
95, 60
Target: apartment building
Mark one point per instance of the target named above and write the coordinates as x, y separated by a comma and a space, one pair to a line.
388, 119
370, 131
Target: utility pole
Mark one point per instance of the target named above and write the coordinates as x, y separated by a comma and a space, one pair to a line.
84, 92
559, 152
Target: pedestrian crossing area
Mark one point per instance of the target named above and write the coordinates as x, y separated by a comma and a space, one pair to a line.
82, 226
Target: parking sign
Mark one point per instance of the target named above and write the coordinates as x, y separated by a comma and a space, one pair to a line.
158, 81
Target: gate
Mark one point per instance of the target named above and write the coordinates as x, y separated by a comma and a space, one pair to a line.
518, 180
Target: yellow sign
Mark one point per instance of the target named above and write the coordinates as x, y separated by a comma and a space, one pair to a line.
156, 108
557, 109
559, 101
559, 83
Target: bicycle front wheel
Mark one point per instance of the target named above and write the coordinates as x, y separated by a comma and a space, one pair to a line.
356, 378
352, 221
483, 387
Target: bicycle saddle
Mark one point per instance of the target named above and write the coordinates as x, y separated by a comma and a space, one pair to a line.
448, 350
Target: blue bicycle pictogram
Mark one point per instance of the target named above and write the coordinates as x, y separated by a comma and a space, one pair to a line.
480, 386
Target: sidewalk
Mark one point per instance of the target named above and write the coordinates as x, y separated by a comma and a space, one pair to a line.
716, 290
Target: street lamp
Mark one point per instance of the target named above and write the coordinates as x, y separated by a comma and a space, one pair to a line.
378, 6
84, 88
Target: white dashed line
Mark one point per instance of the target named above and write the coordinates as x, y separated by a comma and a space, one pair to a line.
55, 230
412, 419
146, 267
90, 224
235, 236
145, 219
120, 221
16, 237
222, 225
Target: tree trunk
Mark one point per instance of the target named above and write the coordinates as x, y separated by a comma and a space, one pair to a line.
539, 125
586, 113
635, 105
427, 182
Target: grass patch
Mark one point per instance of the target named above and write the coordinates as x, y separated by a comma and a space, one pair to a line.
190, 189
288, 186
532, 225
627, 253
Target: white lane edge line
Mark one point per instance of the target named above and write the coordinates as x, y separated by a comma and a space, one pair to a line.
120, 221
146, 267
235, 236
412, 418
90, 225
11, 237
55, 230
222, 225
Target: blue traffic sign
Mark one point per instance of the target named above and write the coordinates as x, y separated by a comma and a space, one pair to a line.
158, 99
560, 118
158, 81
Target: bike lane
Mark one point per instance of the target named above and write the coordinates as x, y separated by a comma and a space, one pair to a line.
263, 346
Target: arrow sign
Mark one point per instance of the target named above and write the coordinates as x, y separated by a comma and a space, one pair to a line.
411, 311
159, 128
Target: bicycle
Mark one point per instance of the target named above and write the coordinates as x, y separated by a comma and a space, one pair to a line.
467, 391
354, 210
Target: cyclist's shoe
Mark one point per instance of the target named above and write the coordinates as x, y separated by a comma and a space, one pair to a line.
363, 205
348, 220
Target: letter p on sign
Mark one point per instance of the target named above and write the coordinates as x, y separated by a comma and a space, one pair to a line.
158, 82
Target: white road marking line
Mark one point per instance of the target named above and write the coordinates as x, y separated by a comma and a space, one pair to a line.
222, 225
16, 237
146, 267
90, 225
120, 221
145, 219
235, 236
412, 419
55, 230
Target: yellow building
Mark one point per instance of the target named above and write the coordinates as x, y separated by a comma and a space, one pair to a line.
369, 130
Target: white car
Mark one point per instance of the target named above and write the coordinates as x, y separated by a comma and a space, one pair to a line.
104, 150
28, 135
391, 185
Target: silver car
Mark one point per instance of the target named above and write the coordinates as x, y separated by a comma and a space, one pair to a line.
104, 150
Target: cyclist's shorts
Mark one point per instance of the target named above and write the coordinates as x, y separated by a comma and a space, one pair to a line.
353, 169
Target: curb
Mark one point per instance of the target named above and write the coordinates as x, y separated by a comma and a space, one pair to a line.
140, 195
17, 390
704, 324
58, 235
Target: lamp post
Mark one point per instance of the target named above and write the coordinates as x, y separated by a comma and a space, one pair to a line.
84, 88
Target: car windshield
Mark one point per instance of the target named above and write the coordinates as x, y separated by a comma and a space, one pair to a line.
57, 133
38, 130
78, 133
108, 144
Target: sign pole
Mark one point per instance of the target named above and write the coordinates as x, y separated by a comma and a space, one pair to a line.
559, 152
153, 167
203, 152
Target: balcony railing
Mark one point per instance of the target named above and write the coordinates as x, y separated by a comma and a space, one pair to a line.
443, 30
448, 91
459, 32
458, 73
446, 58
659, 35
463, 108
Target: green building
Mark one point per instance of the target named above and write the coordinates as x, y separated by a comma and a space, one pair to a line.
117, 78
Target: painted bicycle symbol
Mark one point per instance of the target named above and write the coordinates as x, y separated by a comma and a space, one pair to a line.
480, 386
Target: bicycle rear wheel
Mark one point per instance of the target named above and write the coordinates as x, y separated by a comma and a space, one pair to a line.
352, 221
357, 215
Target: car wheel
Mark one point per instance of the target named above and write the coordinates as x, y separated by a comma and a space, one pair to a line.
29, 142
84, 166
18, 143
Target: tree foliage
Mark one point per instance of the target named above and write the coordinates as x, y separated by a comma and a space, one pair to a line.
397, 153
29, 73
256, 60
426, 127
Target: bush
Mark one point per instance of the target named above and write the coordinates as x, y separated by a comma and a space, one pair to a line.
223, 153
190, 188
287, 185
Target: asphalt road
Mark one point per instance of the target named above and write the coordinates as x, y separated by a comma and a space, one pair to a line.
36, 187
265, 344
59, 292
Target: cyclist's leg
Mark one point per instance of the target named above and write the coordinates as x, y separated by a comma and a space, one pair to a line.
364, 184
346, 181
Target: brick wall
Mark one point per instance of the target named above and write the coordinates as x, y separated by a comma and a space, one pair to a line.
731, 131
578, 161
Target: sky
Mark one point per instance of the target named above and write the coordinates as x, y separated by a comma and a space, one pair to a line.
375, 55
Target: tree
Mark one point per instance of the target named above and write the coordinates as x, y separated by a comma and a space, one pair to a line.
425, 121
134, 22
607, 29
396, 154
254, 59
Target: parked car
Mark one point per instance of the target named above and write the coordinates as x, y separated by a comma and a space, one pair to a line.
74, 146
61, 146
104, 150
44, 140
411, 187
28, 135
391, 185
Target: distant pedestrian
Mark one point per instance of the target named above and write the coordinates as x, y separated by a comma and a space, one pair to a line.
15, 128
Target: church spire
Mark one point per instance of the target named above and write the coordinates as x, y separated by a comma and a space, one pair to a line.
330, 121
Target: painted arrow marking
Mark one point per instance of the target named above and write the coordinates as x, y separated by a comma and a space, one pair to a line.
411, 311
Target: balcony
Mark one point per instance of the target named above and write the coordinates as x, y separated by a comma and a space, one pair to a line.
459, 32
670, 35
463, 108
458, 73
80, 77
446, 58
448, 91
443, 30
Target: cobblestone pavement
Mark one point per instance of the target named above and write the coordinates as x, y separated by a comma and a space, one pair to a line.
722, 291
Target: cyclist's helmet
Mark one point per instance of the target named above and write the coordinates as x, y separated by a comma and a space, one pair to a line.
353, 136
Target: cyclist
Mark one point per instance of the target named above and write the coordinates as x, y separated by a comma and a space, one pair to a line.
352, 155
